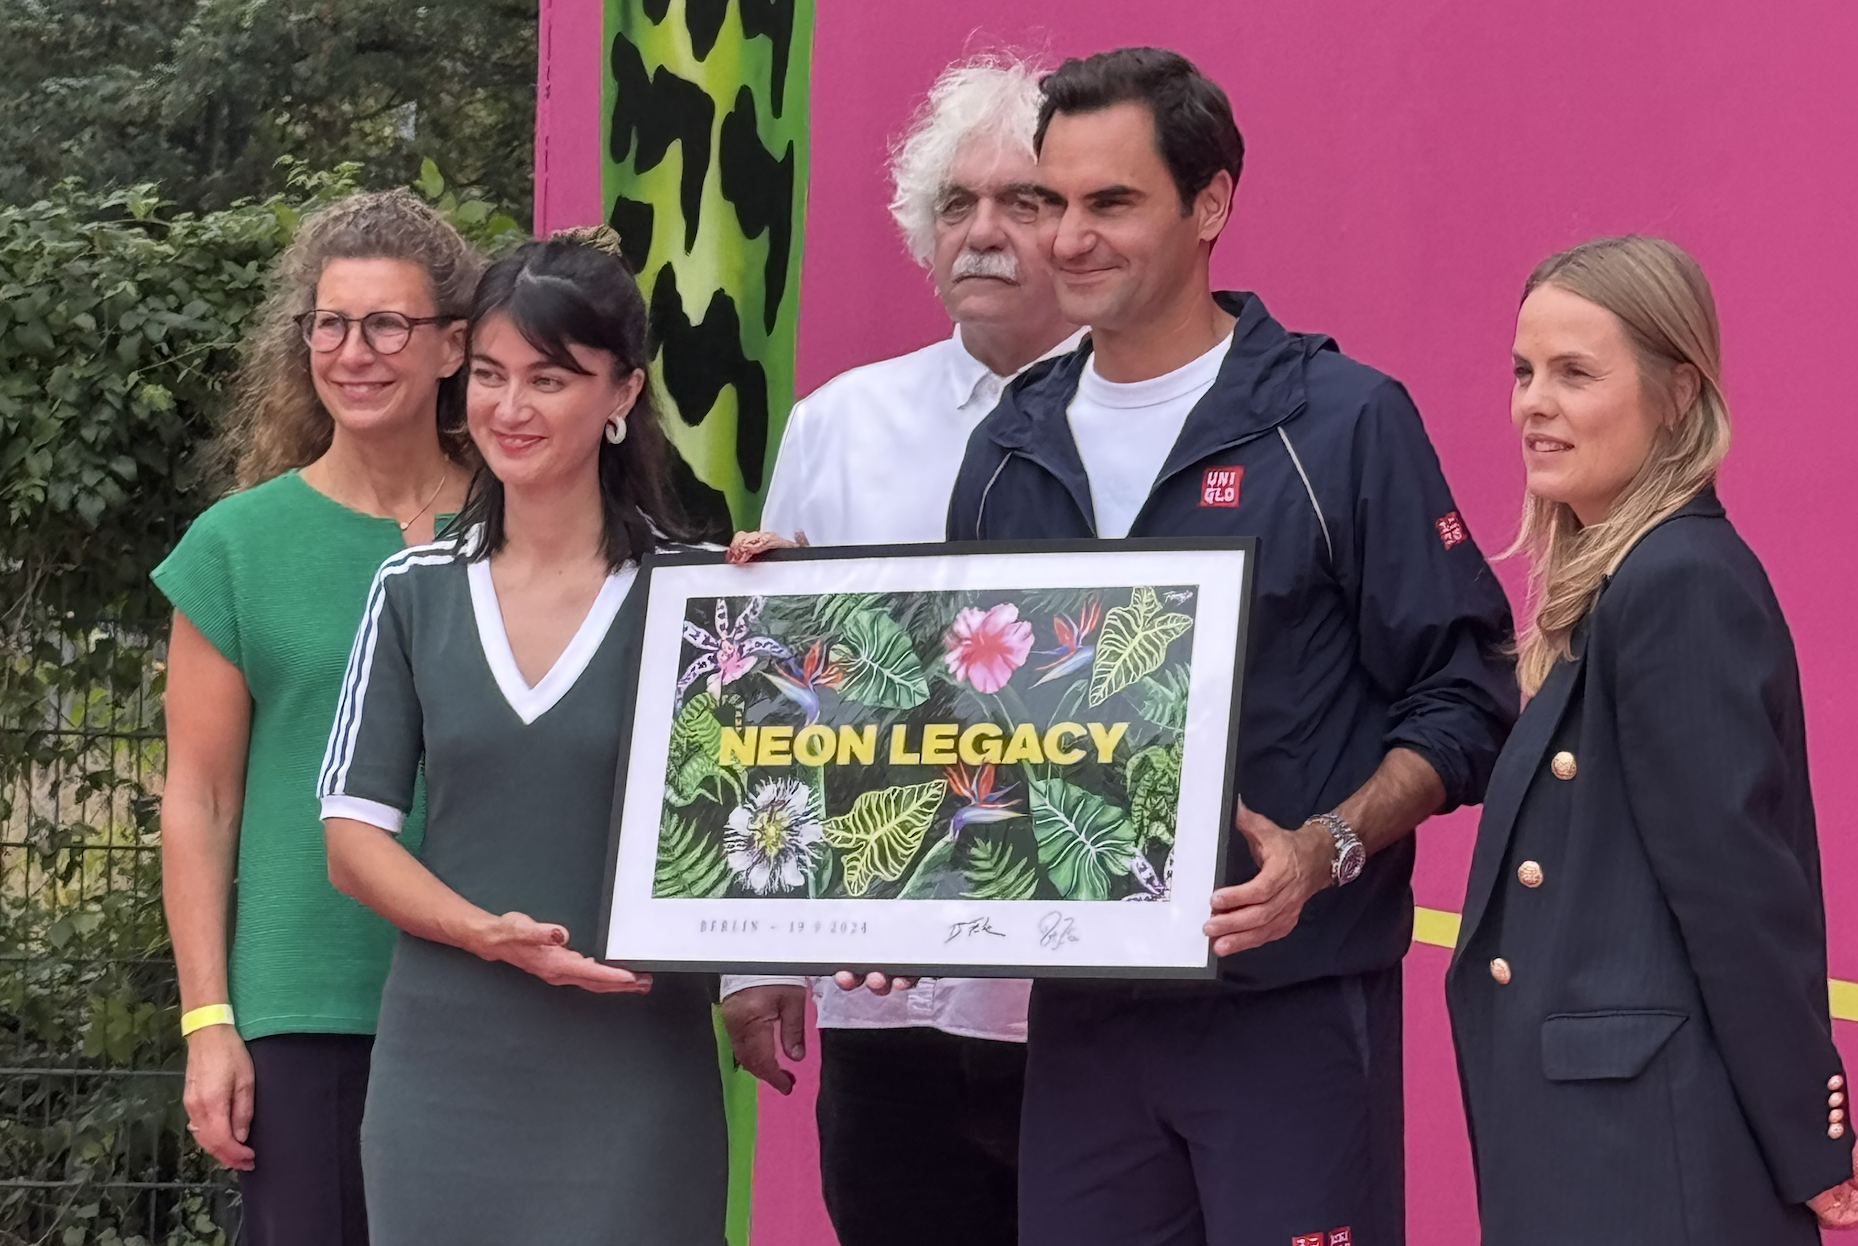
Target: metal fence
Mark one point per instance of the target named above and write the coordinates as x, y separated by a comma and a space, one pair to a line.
93, 1142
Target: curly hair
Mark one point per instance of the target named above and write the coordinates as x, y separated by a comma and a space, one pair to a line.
278, 423
993, 96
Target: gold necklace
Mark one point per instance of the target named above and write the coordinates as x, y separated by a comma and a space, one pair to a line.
408, 522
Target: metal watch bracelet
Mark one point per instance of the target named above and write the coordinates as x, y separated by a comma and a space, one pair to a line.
1350, 853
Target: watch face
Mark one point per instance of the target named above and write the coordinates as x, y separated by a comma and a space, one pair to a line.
1348, 864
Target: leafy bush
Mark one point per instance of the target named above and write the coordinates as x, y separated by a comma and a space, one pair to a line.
119, 329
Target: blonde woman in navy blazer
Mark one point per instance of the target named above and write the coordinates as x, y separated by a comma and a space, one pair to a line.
1638, 995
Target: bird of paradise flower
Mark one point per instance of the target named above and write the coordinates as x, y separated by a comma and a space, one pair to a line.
984, 804
800, 679
1072, 652
729, 652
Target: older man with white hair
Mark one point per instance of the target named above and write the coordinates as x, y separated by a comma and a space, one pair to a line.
919, 1091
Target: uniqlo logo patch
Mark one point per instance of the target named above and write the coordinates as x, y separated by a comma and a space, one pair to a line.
1451, 532
1341, 1236
1220, 487
1308, 1239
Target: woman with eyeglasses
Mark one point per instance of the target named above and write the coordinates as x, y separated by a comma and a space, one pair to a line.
349, 444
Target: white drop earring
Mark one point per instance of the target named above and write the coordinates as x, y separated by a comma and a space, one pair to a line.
616, 428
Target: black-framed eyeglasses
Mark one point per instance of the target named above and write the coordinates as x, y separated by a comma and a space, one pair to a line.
385, 332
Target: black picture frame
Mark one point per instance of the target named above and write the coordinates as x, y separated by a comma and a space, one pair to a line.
651, 575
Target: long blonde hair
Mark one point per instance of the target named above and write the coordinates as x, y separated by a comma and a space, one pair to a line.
277, 420
1662, 300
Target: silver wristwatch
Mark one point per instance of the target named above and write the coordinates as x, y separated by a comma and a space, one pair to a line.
1350, 854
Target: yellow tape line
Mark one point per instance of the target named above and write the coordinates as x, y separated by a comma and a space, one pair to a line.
1440, 929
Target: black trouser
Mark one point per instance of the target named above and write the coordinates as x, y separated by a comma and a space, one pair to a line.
304, 1188
1166, 1115
919, 1137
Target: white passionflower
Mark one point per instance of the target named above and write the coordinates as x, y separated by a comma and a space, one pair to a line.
772, 837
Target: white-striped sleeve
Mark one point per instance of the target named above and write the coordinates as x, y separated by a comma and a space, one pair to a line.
372, 763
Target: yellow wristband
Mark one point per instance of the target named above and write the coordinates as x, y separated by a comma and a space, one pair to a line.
200, 1018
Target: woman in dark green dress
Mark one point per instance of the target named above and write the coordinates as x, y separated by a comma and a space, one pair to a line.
522, 1091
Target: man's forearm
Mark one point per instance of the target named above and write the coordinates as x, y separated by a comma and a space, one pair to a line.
1403, 792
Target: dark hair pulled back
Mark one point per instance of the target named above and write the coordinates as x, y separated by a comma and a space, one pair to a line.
572, 290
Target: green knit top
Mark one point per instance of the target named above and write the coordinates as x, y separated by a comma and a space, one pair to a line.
275, 578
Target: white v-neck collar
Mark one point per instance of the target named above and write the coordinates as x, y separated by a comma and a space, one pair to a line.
531, 703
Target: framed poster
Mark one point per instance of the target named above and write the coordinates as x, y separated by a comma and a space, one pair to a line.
931, 759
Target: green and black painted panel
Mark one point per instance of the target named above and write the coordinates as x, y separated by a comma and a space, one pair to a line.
704, 177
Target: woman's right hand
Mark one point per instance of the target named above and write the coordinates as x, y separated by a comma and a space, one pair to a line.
218, 1095
541, 948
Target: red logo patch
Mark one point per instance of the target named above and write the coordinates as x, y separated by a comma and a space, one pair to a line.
1220, 486
1341, 1236
1451, 532
1307, 1239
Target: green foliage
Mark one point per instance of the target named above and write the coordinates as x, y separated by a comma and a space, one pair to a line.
881, 668
689, 864
205, 95
882, 831
935, 876
996, 872
120, 321
1153, 779
692, 769
85, 980
1084, 841
1134, 643
1164, 697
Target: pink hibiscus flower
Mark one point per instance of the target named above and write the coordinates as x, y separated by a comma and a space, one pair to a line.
986, 647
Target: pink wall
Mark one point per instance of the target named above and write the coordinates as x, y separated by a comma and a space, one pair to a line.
567, 115
1407, 165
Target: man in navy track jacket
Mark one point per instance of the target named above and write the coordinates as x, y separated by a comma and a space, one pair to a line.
1264, 1107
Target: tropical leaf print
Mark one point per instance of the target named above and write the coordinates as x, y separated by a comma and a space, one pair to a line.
695, 737
1153, 780
1134, 643
834, 609
881, 668
935, 876
689, 865
996, 872
1084, 841
1164, 697
881, 832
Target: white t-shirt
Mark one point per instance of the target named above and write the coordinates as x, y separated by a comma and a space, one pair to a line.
870, 457
1124, 432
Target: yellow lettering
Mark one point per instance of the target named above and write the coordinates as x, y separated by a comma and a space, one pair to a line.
900, 756
1024, 746
774, 748
859, 743
1055, 749
980, 744
939, 744
814, 745
737, 747
1106, 739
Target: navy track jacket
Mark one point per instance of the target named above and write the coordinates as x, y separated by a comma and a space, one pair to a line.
1375, 623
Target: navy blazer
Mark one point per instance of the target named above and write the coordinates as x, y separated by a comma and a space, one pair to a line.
1638, 996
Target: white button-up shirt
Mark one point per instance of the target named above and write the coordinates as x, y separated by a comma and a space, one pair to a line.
870, 458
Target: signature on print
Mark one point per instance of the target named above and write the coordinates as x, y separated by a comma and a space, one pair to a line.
971, 927
1056, 930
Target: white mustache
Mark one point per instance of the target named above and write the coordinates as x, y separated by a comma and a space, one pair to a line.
1003, 265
